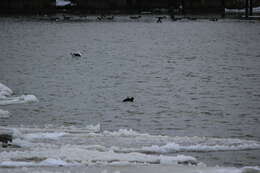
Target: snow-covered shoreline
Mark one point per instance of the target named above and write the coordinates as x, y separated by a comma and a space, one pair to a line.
255, 10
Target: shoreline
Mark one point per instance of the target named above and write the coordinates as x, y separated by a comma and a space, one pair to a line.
131, 169
68, 15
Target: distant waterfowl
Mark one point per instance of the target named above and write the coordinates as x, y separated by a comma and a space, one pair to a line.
159, 19
102, 17
66, 17
191, 18
214, 19
99, 18
76, 54
173, 17
129, 99
135, 17
110, 18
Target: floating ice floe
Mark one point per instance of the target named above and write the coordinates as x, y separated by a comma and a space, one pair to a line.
5, 91
131, 169
7, 98
18, 100
46, 162
67, 146
80, 155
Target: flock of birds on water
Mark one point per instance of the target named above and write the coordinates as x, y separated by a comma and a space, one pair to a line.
159, 19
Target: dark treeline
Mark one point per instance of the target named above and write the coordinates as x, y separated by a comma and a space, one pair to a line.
95, 6
26, 6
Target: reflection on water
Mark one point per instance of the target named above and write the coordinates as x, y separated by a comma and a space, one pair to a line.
188, 78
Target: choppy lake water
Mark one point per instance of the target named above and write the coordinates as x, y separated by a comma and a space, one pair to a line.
196, 86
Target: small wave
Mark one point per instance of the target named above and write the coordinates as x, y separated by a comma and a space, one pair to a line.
173, 147
53, 136
124, 132
91, 146
47, 162
80, 155
145, 143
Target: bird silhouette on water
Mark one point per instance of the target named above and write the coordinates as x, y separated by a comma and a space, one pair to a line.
76, 54
129, 99
5, 139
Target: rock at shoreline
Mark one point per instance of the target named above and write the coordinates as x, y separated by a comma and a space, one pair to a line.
5, 139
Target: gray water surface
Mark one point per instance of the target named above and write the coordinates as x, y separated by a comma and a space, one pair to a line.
189, 78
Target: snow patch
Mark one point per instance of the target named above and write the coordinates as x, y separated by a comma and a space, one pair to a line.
256, 10
4, 114
5, 91
62, 3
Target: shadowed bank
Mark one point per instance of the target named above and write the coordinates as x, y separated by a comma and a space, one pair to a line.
121, 6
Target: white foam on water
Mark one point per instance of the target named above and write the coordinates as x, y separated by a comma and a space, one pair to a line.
149, 143
173, 147
81, 155
251, 169
90, 146
93, 128
22, 143
54, 162
47, 162
124, 132
53, 136
53, 131
230, 170
130, 169
4, 114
